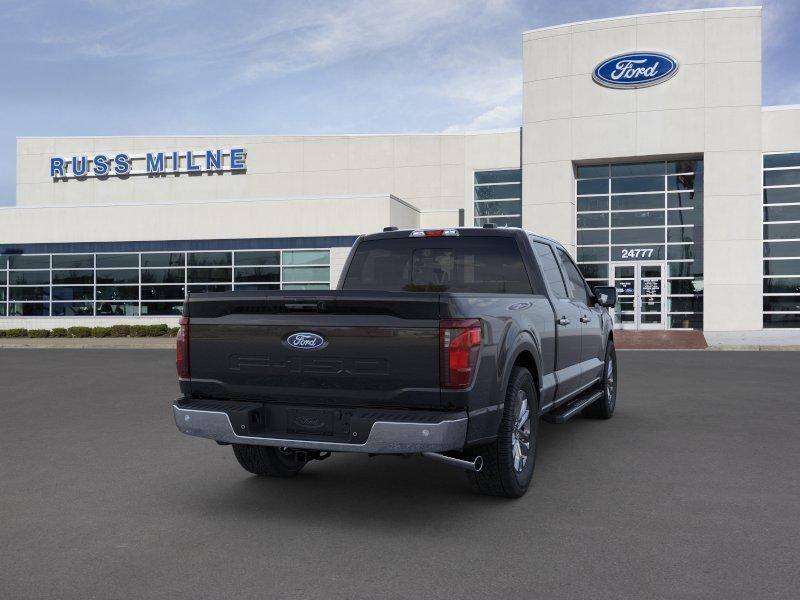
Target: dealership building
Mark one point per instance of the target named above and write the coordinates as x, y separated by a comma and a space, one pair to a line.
644, 149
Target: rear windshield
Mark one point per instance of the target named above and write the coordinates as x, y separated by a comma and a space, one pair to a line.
491, 265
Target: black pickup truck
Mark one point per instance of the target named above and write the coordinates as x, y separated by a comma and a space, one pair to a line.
449, 343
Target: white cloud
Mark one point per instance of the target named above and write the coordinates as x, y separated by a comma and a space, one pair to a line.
316, 38
497, 117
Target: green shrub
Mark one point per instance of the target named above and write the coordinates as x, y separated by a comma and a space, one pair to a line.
138, 331
38, 333
120, 330
173, 331
101, 332
59, 332
2, 333
80, 332
16, 332
157, 330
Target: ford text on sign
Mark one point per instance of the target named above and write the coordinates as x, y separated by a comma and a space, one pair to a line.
635, 70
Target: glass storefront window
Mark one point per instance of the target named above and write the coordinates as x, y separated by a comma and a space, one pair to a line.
118, 309
163, 259
593, 186
261, 286
258, 258
73, 261
305, 257
150, 283
246, 274
117, 292
591, 171
29, 278
72, 309
161, 308
117, 275
590, 220
592, 203
163, 292
163, 276
29, 262
638, 218
593, 236
28, 309
202, 289
306, 274
209, 275
782, 267
650, 168
29, 293
115, 261
782, 195
497, 198
781, 299
652, 212
209, 259
66, 277
72, 292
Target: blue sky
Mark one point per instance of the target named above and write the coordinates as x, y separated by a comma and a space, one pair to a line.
105, 67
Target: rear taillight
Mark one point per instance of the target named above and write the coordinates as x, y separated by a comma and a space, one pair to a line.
459, 346
182, 349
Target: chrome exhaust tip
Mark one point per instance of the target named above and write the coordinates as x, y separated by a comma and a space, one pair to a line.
470, 465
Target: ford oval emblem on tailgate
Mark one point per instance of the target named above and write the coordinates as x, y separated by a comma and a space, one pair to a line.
304, 340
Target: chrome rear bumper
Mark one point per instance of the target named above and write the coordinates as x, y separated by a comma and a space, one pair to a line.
385, 437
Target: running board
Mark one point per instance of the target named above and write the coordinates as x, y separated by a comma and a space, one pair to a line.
564, 413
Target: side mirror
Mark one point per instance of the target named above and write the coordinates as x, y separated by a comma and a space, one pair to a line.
606, 295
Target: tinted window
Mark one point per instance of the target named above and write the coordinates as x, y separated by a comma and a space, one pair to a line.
550, 270
111, 261
163, 259
579, 291
29, 262
73, 261
467, 264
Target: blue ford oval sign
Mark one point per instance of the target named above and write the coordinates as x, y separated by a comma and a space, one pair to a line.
304, 340
635, 70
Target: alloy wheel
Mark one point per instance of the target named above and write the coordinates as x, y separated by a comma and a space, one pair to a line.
611, 383
521, 435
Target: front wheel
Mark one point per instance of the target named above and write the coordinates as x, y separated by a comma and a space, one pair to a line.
266, 460
508, 462
603, 407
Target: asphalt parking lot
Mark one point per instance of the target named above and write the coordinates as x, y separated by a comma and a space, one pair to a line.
690, 491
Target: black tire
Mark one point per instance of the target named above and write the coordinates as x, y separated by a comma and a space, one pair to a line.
603, 408
501, 474
266, 460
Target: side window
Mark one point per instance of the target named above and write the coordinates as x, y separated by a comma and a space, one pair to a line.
576, 282
550, 270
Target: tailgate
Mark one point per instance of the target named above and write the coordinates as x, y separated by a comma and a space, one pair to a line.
333, 348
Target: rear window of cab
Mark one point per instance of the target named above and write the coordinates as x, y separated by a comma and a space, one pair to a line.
490, 265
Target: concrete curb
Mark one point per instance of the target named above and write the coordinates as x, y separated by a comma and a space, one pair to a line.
721, 348
89, 343
756, 347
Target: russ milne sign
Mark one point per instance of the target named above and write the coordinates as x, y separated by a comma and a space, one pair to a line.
635, 70
122, 164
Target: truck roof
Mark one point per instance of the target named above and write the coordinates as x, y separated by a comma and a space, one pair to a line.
463, 231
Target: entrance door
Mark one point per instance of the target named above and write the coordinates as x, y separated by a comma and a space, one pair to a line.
640, 295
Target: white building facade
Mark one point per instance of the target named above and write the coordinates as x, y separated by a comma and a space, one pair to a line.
674, 184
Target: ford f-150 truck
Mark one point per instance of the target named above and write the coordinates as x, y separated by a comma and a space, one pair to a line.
449, 343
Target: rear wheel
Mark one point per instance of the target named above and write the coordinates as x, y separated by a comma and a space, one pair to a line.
266, 460
603, 407
508, 462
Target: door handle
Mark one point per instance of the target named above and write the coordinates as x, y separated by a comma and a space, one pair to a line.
563, 321
585, 319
